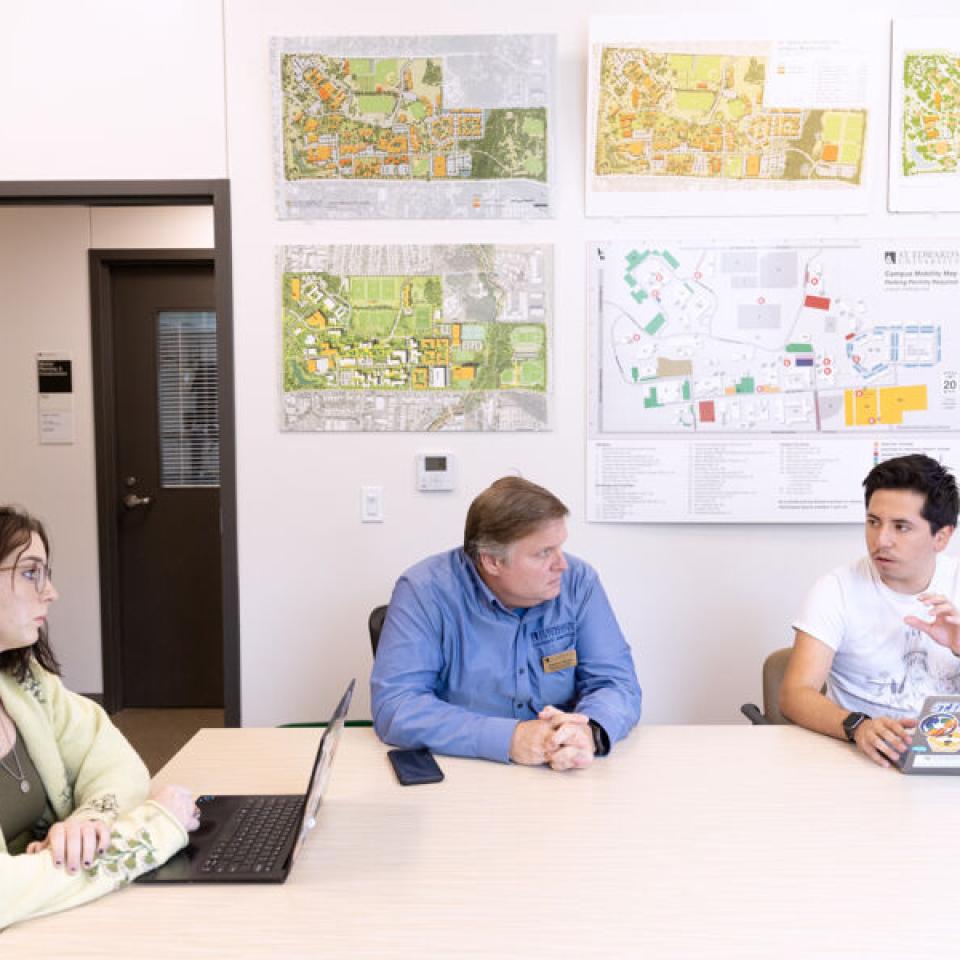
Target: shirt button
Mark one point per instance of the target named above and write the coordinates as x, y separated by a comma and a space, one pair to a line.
522, 671
519, 706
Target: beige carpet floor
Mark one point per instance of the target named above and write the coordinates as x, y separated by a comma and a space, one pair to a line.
158, 734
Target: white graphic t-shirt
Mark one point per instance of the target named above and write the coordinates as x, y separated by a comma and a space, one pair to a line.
881, 666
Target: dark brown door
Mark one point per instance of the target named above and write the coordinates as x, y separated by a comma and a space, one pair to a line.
167, 459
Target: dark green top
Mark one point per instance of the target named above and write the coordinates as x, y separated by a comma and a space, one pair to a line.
19, 811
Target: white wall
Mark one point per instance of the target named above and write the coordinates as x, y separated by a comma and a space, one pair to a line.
134, 88
701, 604
111, 89
45, 307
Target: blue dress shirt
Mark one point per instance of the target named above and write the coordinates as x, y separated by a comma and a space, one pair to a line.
456, 670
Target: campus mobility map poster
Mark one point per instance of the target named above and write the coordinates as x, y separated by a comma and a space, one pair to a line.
413, 127
751, 117
416, 337
760, 382
925, 116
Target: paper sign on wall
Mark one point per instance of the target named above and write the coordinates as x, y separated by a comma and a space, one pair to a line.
55, 398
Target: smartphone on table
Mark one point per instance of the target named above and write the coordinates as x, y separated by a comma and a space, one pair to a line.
413, 767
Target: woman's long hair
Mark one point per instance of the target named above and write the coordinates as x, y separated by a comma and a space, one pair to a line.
16, 529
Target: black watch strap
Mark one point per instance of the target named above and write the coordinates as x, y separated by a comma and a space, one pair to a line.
851, 722
601, 741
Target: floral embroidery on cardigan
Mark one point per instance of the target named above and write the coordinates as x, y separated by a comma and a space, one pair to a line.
125, 859
33, 686
105, 804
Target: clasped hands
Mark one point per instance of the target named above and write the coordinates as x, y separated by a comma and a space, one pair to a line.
564, 741
78, 841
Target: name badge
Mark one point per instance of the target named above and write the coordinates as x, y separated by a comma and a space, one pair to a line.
560, 661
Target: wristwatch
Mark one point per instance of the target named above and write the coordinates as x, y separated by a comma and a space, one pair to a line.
850, 723
601, 741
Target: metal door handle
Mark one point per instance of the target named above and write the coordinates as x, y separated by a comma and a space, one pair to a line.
131, 501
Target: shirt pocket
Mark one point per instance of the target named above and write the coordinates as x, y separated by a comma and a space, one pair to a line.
557, 687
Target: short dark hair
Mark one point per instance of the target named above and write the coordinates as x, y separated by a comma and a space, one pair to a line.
509, 509
923, 475
17, 527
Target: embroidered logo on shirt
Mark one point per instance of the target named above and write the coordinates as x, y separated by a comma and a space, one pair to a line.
566, 631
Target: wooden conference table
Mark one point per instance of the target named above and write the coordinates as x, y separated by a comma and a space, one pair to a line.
689, 841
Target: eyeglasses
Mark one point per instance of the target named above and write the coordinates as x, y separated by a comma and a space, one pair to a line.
39, 574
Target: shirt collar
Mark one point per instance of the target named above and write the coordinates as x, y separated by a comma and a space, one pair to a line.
484, 593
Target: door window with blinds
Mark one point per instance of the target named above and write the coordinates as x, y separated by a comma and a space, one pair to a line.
187, 399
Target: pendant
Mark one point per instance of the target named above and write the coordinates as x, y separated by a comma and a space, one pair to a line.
24, 786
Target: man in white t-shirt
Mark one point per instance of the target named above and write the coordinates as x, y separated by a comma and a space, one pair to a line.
884, 632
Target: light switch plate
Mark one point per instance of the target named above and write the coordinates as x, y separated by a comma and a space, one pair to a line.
371, 504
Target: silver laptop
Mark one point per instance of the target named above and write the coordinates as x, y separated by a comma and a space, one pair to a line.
255, 838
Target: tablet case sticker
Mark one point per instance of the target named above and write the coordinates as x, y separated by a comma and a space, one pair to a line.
941, 729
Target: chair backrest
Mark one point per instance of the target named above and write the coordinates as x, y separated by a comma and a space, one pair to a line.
773, 669
375, 625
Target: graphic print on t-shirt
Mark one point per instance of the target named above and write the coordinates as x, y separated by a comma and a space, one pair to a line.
918, 678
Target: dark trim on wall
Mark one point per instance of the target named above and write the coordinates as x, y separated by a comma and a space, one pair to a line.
114, 193
223, 279
215, 193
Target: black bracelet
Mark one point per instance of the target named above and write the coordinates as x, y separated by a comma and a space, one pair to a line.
601, 741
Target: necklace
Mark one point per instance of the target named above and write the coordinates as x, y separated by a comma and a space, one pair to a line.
19, 776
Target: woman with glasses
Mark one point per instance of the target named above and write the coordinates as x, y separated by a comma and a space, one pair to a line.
75, 818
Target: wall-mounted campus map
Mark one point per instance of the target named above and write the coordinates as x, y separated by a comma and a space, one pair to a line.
438, 127
931, 113
702, 116
679, 125
801, 352
416, 337
925, 116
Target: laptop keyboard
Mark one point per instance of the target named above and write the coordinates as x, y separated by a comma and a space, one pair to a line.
262, 828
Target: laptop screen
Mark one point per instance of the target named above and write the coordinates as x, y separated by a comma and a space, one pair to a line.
321, 767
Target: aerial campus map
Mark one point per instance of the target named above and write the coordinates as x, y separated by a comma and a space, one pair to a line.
413, 127
416, 337
789, 337
703, 117
931, 112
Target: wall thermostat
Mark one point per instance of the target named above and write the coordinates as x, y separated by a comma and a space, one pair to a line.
434, 471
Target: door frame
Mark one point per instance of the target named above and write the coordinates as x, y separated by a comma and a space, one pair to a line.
114, 193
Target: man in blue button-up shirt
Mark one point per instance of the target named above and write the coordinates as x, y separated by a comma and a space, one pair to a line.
507, 648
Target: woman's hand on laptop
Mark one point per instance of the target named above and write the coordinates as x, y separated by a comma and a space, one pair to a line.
179, 802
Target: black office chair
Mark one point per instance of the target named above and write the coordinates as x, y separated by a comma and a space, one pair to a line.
774, 668
375, 625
